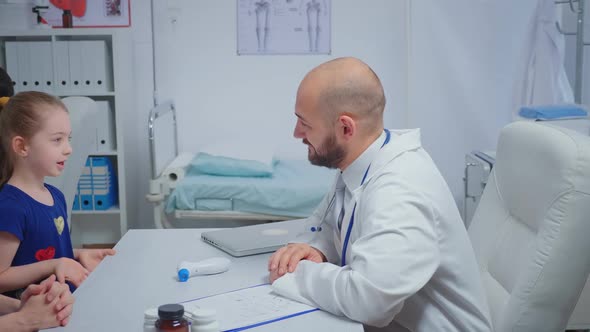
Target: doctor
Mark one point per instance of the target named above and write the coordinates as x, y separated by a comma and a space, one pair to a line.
386, 247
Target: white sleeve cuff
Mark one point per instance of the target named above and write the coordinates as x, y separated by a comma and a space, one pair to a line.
287, 286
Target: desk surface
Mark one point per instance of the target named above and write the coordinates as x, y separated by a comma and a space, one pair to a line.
143, 275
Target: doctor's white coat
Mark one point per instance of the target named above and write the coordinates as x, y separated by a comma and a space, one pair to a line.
409, 258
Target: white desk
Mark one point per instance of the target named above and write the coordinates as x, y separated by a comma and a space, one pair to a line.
143, 275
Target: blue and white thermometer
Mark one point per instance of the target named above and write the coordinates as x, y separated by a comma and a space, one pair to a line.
213, 265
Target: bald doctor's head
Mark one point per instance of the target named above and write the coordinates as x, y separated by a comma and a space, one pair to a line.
339, 107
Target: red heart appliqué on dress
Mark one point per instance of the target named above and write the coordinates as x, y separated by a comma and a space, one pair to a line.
45, 254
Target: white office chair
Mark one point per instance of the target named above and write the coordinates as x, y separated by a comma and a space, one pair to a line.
83, 112
531, 229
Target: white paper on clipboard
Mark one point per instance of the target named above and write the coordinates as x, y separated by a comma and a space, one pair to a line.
250, 307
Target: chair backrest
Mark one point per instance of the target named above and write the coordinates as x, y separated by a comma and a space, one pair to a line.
83, 113
530, 230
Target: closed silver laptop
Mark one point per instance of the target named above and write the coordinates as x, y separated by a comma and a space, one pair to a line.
255, 239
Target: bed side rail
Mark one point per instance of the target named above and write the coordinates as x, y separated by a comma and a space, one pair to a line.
164, 147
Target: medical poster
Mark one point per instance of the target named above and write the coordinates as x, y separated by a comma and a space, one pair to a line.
90, 13
284, 27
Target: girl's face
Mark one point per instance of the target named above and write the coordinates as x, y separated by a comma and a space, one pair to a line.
49, 148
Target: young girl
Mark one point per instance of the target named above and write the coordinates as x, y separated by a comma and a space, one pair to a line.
34, 235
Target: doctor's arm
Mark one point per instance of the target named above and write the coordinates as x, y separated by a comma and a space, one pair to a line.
394, 256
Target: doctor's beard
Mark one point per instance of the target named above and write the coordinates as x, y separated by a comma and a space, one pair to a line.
328, 154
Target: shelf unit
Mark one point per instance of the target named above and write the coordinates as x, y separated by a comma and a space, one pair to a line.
88, 226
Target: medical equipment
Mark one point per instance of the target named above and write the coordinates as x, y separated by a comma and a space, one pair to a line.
318, 228
202, 320
171, 318
177, 188
213, 265
150, 316
580, 44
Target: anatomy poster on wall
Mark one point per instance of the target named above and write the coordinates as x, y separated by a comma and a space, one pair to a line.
90, 13
284, 26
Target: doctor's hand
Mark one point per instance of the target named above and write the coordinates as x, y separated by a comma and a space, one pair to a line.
286, 259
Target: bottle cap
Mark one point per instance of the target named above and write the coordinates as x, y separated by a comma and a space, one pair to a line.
183, 275
151, 313
170, 311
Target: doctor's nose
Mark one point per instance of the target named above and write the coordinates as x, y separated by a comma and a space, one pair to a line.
298, 132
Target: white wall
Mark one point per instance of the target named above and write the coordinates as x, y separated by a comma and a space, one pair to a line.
465, 57
15, 16
219, 94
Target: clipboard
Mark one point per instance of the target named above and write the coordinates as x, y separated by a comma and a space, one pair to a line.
249, 307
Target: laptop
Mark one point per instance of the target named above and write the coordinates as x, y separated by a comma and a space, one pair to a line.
255, 239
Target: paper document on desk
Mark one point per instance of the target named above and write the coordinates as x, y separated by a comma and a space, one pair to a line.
246, 308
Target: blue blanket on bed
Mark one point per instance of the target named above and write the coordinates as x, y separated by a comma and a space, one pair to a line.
295, 189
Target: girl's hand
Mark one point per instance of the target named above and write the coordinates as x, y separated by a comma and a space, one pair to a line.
90, 258
38, 313
68, 269
52, 290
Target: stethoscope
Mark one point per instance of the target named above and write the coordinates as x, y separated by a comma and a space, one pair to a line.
318, 228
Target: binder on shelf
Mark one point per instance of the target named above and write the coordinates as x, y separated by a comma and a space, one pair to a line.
86, 200
97, 189
76, 64
41, 66
12, 64
96, 66
24, 66
61, 65
104, 198
76, 204
105, 127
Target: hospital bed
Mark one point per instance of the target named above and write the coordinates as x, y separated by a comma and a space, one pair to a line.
177, 190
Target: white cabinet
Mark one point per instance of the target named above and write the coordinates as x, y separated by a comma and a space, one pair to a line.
82, 62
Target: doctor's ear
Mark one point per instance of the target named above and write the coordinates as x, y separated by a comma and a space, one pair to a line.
347, 126
19, 146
